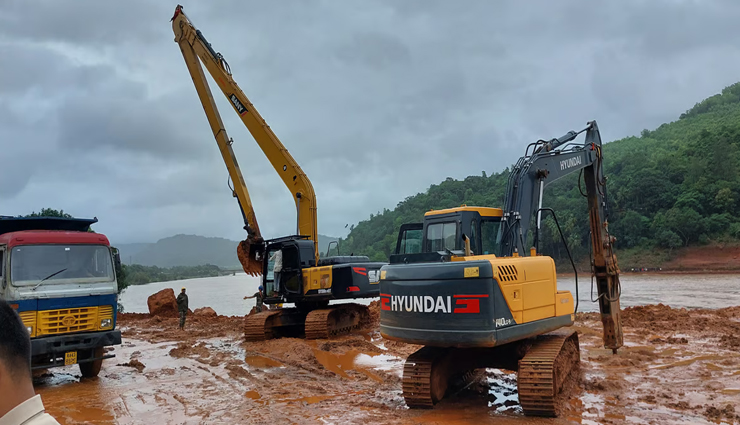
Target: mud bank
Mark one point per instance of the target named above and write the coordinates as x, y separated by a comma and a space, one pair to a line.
677, 366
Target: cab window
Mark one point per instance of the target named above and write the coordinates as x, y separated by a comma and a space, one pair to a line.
474, 236
441, 236
488, 233
411, 241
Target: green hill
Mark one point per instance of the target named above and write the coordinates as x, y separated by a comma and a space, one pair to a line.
677, 185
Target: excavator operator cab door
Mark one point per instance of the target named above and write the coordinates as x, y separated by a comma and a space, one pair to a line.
444, 231
283, 274
410, 238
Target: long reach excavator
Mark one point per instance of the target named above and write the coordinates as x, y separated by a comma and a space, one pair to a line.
305, 278
459, 284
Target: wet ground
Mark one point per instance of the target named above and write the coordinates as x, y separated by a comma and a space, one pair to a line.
677, 366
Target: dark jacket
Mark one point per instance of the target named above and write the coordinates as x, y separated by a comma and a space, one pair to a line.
182, 302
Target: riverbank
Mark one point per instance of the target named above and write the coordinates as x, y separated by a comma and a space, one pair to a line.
709, 259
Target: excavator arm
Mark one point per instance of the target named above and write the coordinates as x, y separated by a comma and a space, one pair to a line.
195, 49
548, 162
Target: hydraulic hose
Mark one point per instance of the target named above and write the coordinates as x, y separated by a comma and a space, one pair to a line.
570, 257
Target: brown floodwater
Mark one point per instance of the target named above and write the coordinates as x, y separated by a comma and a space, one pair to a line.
225, 294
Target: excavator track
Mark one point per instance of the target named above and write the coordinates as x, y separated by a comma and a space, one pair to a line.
334, 320
430, 372
256, 327
543, 371
419, 390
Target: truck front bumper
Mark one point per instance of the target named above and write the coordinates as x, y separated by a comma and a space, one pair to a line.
50, 351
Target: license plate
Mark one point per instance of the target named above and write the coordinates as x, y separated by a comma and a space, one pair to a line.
70, 358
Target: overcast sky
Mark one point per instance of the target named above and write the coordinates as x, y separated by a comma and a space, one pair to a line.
375, 99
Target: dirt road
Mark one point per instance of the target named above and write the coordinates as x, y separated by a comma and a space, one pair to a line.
678, 366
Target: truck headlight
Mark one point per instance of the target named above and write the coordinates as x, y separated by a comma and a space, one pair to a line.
30, 330
106, 323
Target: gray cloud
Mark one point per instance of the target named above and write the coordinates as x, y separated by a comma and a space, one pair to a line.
375, 100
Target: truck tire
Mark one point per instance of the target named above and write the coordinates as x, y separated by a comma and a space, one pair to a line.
91, 369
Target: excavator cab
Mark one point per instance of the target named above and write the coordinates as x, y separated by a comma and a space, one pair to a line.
449, 232
295, 253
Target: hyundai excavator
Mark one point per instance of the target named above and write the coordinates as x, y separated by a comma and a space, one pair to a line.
305, 279
460, 285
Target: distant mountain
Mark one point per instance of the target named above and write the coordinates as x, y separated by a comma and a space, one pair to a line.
128, 250
189, 250
324, 242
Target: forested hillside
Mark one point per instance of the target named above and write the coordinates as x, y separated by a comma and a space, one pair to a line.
677, 185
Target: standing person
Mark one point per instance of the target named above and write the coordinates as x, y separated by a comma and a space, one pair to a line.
182, 307
19, 404
277, 268
258, 302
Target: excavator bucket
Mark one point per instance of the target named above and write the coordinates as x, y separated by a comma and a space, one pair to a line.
247, 252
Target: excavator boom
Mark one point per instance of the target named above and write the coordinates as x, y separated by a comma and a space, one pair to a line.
196, 49
548, 162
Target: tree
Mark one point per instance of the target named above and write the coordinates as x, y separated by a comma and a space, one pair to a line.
49, 212
724, 200
668, 239
631, 228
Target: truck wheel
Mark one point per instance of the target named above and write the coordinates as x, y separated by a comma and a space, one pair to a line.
91, 369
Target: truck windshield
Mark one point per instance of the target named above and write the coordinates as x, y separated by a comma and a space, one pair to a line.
29, 264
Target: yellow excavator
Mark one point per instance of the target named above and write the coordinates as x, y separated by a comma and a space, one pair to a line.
302, 277
461, 285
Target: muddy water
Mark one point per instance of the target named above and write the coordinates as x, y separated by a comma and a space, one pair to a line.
225, 294
120, 393
675, 290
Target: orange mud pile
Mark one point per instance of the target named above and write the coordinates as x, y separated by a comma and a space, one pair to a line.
677, 366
